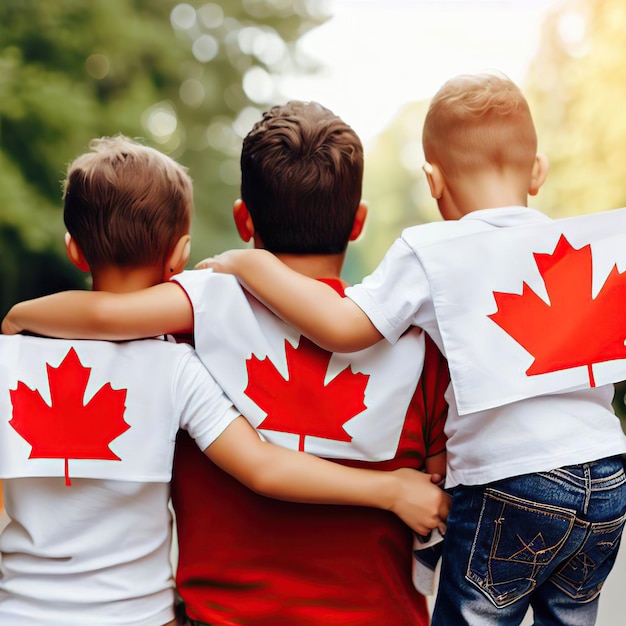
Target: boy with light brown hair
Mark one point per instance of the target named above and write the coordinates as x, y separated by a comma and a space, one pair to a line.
302, 169
98, 549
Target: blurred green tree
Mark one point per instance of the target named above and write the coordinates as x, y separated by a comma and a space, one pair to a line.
394, 188
576, 90
188, 78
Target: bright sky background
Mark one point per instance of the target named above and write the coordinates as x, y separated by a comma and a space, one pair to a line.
380, 54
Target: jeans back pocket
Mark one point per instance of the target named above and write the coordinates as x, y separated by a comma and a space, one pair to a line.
515, 543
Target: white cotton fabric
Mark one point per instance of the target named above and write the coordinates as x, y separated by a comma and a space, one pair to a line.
231, 327
488, 366
511, 436
97, 552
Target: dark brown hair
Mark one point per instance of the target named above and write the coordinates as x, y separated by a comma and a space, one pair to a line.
126, 204
301, 179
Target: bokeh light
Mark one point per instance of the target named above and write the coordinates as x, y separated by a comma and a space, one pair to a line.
160, 121
205, 48
211, 15
192, 92
258, 85
183, 17
97, 65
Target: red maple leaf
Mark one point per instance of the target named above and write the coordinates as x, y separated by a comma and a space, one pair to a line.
303, 404
69, 429
573, 329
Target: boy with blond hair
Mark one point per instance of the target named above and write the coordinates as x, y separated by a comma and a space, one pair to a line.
95, 547
302, 169
539, 493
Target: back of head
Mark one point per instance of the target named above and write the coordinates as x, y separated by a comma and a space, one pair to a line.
479, 121
126, 204
301, 179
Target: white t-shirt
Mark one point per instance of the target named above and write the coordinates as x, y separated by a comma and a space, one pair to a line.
532, 435
97, 551
362, 398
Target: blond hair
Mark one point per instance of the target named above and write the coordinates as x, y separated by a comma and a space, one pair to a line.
126, 204
478, 121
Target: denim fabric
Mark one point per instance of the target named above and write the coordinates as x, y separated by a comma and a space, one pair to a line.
545, 540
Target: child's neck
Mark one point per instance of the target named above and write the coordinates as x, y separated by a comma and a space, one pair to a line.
488, 190
315, 265
125, 280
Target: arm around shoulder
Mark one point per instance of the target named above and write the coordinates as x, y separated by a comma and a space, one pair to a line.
161, 309
315, 309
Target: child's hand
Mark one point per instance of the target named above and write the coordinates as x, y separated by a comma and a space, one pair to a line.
419, 503
231, 261
10, 326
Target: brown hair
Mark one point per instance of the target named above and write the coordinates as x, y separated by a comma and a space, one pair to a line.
477, 121
126, 204
301, 179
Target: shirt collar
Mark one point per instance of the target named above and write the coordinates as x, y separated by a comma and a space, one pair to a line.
507, 216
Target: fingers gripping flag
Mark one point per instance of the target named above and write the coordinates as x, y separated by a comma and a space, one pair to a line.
530, 310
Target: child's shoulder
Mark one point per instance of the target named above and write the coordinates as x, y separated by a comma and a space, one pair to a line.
206, 282
433, 232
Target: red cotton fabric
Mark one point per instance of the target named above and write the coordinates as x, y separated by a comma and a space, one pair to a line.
247, 559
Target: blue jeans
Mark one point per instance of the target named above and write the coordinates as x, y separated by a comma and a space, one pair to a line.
545, 540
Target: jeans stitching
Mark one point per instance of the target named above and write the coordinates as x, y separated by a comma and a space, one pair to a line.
486, 584
606, 528
530, 505
469, 595
588, 488
564, 477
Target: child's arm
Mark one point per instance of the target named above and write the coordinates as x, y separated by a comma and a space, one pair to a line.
436, 464
315, 309
296, 476
158, 310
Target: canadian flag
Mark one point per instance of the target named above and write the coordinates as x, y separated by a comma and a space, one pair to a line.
296, 394
532, 309
86, 409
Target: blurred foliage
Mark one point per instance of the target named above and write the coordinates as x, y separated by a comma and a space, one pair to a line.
394, 189
576, 90
189, 79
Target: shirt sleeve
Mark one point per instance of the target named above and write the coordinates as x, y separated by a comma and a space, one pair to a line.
204, 408
393, 293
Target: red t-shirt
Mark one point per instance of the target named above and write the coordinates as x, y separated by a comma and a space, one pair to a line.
247, 559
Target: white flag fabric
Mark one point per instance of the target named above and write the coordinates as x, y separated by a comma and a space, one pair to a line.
87, 409
296, 394
532, 309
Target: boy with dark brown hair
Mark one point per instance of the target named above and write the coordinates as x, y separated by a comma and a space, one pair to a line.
294, 564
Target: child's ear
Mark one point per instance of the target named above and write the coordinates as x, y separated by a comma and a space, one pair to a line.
434, 178
178, 257
243, 220
75, 254
538, 174
359, 222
